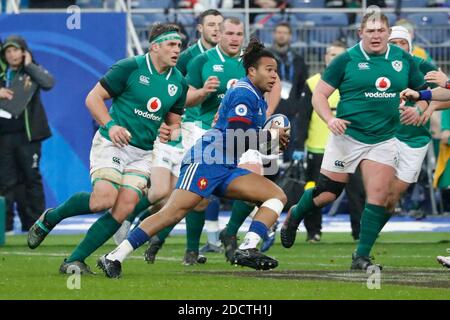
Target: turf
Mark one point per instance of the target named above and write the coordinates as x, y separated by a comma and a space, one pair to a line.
306, 271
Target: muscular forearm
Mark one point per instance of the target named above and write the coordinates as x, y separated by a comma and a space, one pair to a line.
321, 106
440, 94
195, 97
97, 108
441, 105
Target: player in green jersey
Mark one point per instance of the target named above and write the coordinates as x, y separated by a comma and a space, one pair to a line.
168, 156
146, 90
370, 77
412, 140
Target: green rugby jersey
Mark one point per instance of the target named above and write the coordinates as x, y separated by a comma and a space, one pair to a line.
186, 57
370, 86
413, 136
228, 70
142, 97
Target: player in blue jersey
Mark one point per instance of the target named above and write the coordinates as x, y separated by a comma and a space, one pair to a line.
210, 167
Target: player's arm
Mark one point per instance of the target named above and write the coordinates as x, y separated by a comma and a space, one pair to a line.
170, 128
198, 88
273, 97
437, 94
331, 80
197, 96
240, 117
321, 105
95, 102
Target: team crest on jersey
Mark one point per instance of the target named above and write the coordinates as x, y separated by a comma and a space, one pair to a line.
397, 65
231, 83
144, 80
154, 104
382, 84
202, 183
218, 68
241, 110
172, 89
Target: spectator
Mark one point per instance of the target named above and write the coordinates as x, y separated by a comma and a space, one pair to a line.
23, 126
417, 51
293, 73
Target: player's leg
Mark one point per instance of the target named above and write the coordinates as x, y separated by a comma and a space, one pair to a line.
313, 221
105, 180
356, 200
328, 189
375, 176
179, 203
101, 198
134, 185
342, 156
271, 200
212, 228
134, 180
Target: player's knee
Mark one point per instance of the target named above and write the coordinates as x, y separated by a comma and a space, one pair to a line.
135, 181
327, 190
202, 205
158, 194
100, 202
275, 204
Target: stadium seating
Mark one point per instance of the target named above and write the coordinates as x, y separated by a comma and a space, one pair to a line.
299, 4
325, 28
430, 27
265, 24
90, 3
154, 4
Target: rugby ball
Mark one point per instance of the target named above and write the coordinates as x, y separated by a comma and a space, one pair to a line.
276, 120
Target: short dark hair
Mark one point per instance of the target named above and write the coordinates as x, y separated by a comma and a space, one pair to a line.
284, 24
373, 16
209, 12
160, 28
254, 51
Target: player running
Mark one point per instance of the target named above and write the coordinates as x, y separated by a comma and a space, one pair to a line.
146, 90
210, 167
370, 77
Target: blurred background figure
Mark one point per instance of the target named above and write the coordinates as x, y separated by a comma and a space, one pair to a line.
293, 73
23, 127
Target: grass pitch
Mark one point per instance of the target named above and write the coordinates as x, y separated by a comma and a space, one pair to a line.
306, 271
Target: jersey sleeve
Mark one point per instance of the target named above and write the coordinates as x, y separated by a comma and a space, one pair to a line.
242, 106
415, 76
194, 71
115, 80
334, 73
178, 106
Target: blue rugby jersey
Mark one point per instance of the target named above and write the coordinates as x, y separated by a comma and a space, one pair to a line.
242, 103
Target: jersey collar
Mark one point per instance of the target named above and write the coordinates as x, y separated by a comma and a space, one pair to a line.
386, 55
221, 55
200, 46
150, 69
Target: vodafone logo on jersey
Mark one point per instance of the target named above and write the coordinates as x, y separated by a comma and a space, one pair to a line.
382, 84
231, 83
154, 104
